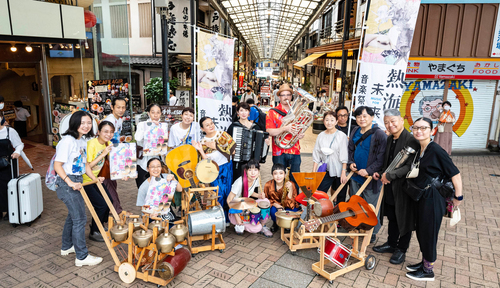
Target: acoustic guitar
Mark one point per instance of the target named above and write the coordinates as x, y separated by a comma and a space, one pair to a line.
182, 162
355, 214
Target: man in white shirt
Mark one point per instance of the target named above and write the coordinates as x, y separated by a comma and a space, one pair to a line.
118, 108
173, 99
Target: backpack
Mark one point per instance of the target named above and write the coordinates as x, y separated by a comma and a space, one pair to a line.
51, 176
262, 119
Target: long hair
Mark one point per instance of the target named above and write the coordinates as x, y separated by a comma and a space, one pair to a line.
75, 121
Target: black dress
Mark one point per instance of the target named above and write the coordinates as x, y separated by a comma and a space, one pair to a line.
432, 206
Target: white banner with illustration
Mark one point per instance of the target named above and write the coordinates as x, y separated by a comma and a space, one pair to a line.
215, 75
471, 101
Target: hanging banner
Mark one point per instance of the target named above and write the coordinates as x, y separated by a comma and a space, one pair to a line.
386, 48
215, 75
495, 49
179, 40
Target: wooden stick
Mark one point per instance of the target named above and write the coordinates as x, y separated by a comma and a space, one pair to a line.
363, 187
341, 186
108, 202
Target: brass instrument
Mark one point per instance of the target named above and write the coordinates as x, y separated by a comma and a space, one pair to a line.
285, 190
299, 116
400, 158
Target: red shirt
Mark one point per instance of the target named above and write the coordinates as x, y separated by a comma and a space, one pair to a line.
273, 121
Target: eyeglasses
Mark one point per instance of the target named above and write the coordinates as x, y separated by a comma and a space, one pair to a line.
423, 128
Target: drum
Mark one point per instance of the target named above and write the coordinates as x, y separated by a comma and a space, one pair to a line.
265, 210
245, 216
172, 266
200, 222
323, 208
254, 216
207, 171
336, 252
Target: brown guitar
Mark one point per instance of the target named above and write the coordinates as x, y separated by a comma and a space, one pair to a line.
355, 214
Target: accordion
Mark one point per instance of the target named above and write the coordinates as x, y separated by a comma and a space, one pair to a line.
250, 145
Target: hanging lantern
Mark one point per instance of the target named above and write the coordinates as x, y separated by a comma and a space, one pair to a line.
90, 19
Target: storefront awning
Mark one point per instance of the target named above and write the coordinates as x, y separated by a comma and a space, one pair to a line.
308, 59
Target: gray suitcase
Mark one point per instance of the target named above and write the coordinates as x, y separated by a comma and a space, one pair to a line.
25, 199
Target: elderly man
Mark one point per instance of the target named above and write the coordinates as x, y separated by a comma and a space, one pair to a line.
286, 157
366, 156
397, 205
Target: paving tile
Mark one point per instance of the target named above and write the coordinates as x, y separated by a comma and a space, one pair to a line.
296, 263
287, 277
263, 283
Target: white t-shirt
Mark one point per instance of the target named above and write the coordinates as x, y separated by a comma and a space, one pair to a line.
173, 101
118, 127
14, 138
73, 153
237, 187
177, 134
22, 114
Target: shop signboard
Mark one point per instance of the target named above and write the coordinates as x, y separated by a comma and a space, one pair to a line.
182, 98
58, 113
495, 49
453, 68
179, 30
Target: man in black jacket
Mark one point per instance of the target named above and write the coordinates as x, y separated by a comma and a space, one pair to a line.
396, 205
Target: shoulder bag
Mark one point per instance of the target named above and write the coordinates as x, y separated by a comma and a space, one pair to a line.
105, 168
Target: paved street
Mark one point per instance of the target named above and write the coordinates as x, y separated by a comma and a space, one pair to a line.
468, 253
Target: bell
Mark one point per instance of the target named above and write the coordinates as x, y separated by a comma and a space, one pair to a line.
141, 238
119, 233
180, 231
157, 224
136, 222
165, 242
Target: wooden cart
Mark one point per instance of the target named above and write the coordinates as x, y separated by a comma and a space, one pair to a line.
147, 258
210, 195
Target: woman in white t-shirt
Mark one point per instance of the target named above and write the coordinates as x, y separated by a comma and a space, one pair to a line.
186, 131
69, 164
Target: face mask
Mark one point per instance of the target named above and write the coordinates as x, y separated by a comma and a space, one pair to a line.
446, 108
1, 106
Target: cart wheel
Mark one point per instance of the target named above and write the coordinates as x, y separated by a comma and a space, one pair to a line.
331, 281
221, 250
370, 262
127, 273
293, 253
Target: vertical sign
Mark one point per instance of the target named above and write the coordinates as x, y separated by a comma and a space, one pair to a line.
495, 50
215, 21
179, 40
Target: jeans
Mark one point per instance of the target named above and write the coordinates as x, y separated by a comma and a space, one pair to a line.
100, 205
74, 227
370, 197
292, 161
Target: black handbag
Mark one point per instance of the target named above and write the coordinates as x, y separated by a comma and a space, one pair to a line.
4, 162
414, 191
444, 186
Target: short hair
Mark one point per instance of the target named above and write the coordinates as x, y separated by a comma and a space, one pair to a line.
424, 119
392, 113
148, 109
188, 109
20, 104
341, 108
203, 119
360, 110
252, 164
250, 101
235, 99
151, 160
446, 102
278, 166
75, 121
105, 123
331, 113
243, 105
113, 101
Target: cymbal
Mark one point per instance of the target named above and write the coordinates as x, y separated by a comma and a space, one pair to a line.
242, 203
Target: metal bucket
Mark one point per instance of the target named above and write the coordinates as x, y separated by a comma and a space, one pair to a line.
200, 223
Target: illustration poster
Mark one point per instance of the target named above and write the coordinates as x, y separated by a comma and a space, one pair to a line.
101, 94
155, 139
215, 74
122, 161
160, 190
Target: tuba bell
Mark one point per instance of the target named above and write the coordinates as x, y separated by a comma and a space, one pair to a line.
299, 116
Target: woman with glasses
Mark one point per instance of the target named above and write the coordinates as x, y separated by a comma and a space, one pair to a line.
331, 149
431, 207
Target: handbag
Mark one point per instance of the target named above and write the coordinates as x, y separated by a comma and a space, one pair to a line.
414, 191
4, 162
444, 186
327, 151
413, 173
105, 170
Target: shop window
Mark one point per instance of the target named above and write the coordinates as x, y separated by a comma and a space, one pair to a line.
61, 88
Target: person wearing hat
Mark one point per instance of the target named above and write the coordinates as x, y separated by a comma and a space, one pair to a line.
286, 157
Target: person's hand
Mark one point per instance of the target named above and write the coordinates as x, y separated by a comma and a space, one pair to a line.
287, 128
156, 122
197, 146
456, 202
125, 178
107, 150
301, 135
76, 186
376, 176
268, 141
238, 219
170, 177
343, 177
101, 179
15, 155
262, 195
289, 186
211, 145
384, 179
362, 173
353, 167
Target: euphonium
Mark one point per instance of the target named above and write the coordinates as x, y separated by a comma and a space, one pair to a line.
299, 116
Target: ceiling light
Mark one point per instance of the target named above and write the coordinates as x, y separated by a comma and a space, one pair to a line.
50, 46
268, 35
13, 48
77, 46
29, 48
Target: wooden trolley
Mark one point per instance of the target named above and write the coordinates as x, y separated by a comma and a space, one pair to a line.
147, 258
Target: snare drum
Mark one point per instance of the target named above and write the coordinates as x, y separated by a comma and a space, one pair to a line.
254, 216
265, 210
336, 252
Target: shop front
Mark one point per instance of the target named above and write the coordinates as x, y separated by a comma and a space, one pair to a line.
470, 86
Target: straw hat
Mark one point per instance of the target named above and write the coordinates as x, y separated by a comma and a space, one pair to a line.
285, 87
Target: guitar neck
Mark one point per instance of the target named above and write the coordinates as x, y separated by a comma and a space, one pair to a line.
335, 217
196, 193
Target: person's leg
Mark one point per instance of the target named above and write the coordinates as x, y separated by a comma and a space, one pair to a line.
343, 192
393, 230
326, 183
372, 198
279, 159
111, 185
141, 176
273, 213
355, 186
100, 206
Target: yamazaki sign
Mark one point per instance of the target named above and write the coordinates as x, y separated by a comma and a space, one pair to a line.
458, 68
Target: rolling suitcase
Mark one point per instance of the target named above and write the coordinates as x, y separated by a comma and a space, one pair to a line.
25, 198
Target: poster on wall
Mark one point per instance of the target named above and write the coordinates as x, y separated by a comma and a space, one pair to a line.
58, 113
215, 75
100, 96
471, 102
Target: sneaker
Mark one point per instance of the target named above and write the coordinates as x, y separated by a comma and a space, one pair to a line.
68, 251
228, 224
239, 229
421, 275
266, 232
415, 267
96, 236
275, 228
90, 261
